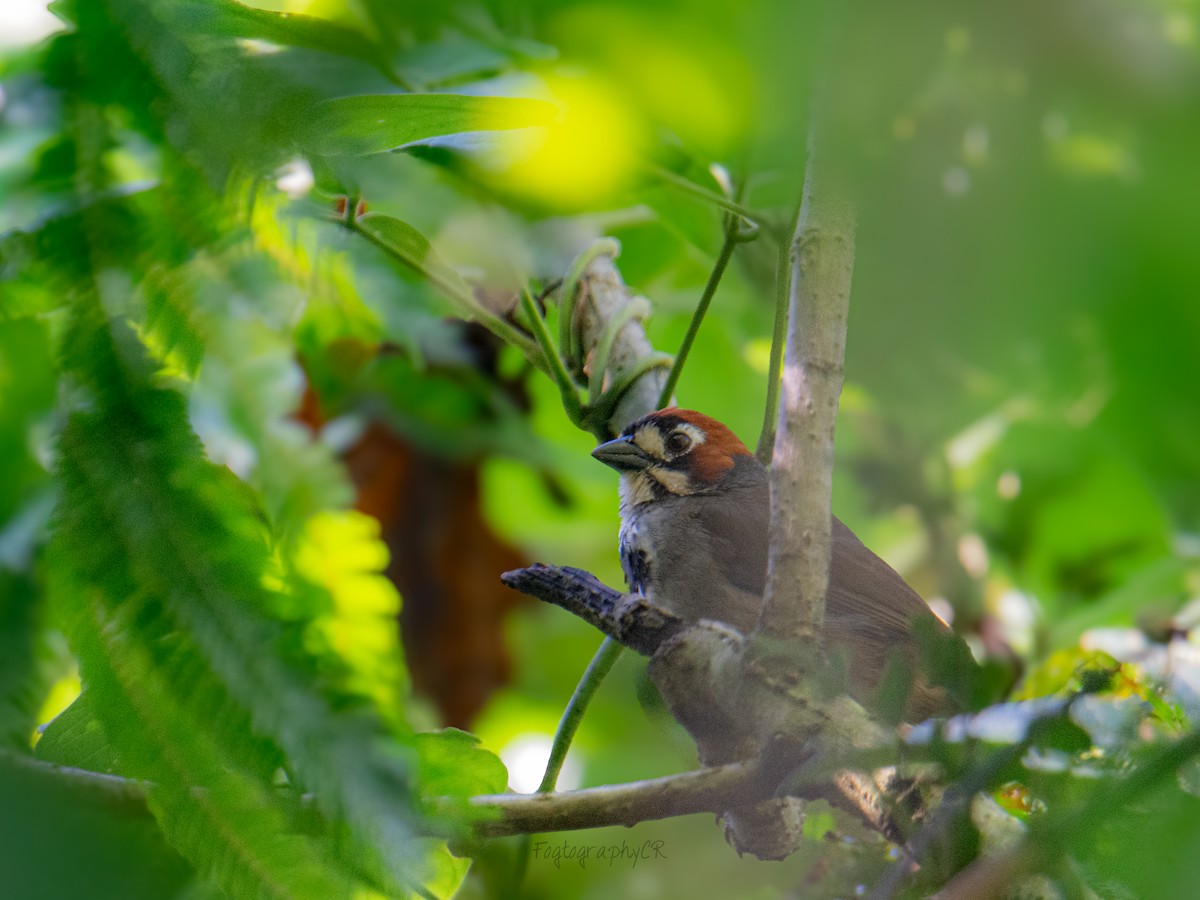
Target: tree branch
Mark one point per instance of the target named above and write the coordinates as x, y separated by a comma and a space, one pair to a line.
726, 706
629, 619
822, 259
713, 789
783, 282
704, 790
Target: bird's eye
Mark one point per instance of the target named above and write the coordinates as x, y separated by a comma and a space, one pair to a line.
678, 442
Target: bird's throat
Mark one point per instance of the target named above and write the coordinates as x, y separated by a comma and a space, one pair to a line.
653, 483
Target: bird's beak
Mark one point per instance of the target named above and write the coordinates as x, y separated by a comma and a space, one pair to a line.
623, 455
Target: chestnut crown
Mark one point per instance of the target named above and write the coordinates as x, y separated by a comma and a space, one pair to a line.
681, 450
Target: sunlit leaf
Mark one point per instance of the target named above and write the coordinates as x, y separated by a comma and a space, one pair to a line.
374, 124
76, 738
452, 764
171, 614
342, 553
1063, 672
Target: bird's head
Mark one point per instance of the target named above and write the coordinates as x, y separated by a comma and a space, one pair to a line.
673, 451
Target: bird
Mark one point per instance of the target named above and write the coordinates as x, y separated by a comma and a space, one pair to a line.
694, 539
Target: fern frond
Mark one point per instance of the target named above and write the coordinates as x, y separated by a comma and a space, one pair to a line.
176, 617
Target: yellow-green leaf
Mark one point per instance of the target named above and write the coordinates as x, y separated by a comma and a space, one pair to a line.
367, 124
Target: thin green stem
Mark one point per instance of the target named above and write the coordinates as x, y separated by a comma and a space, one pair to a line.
593, 676
468, 305
570, 395
572, 716
783, 279
696, 190
710, 290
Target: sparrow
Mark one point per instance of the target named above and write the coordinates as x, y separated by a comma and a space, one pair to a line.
695, 513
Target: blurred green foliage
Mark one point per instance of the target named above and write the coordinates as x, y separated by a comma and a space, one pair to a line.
1020, 431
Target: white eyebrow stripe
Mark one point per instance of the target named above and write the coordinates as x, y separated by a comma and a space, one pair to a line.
697, 435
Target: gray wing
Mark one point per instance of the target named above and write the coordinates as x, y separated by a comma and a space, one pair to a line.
873, 613
737, 526
866, 595
865, 590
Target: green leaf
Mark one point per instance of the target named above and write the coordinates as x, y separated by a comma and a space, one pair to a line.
374, 124
1059, 733
172, 325
27, 393
27, 385
76, 738
448, 872
452, 768
1064, 672
229, 19
1159, 829
452, 764
198, 654
453, 59
56, 842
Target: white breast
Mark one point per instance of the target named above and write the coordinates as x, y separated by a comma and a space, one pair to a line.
635, 554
